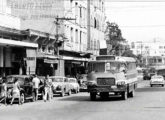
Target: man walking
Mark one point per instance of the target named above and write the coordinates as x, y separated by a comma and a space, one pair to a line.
36, 83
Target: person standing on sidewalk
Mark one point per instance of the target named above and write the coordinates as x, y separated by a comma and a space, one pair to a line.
47, 88
4, 91
36, 83
15, 91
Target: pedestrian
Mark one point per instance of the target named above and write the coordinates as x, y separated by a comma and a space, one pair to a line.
15, 91
47, 88
36, 81
4, 91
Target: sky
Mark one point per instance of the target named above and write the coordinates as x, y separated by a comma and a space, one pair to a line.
139, 21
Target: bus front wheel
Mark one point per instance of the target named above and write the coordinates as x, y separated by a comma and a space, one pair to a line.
124, 95
132, 93
92, 96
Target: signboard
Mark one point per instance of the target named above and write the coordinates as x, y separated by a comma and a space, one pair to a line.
106, 57
50, 61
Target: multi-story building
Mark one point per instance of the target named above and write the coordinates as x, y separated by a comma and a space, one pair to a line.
63, 21
14, 49
79, 42
151, 48
153, 52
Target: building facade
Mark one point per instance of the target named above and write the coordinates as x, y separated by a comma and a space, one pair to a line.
14, 48
60, 30
151, 48
152, 52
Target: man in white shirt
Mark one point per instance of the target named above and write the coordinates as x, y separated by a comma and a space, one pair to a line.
36, 83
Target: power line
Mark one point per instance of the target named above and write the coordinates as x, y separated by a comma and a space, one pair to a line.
134, 1
144, 26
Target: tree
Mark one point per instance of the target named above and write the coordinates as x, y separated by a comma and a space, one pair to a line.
128, 53
113, 38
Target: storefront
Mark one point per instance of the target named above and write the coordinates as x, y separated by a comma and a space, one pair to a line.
15, 57
46, 56
46, 65
74, 63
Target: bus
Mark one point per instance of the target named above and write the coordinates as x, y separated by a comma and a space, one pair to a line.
112, 74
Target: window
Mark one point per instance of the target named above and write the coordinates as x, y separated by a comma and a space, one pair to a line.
71, 34
76, 11
71, 1
80, 36
95, 23
76, 36
80, 12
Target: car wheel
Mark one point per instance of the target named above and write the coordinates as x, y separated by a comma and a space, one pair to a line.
93, 96
124, 95
22, 98
69, 93
151, 85
132, 93
162, 85
62, 93
78, 90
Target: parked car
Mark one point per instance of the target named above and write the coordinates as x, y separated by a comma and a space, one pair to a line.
83, 83
83, 86
74, 85
157, 80
26, 87
61, 85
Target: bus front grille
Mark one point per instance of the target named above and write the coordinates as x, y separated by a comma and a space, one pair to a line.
105, 81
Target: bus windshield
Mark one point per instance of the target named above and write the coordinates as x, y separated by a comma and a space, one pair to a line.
106, 67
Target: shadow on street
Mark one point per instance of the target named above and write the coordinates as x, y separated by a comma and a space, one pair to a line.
87, 98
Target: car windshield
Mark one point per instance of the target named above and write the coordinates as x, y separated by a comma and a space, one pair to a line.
57, 79
157, 77
72, 80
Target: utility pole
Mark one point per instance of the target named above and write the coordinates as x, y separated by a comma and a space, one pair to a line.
57, 34
88, 25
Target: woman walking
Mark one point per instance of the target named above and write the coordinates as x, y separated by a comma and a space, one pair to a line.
4, 90
15, 91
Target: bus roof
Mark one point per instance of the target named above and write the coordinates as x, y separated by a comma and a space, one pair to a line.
111, 58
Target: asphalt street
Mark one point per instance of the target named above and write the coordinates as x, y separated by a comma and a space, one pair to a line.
148, 104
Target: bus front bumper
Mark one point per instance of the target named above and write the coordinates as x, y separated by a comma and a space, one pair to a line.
99, 89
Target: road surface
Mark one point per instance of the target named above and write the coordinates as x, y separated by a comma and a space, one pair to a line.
148, 104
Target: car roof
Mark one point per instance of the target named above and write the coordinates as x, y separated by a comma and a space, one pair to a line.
157, 76
57, 77
72, 78
23, 76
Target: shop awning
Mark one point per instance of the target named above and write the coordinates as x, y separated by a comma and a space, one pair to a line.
8, 42
50, 61
74, 58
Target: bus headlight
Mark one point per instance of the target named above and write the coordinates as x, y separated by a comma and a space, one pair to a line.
121, 83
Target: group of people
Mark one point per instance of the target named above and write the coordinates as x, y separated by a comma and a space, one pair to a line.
47, 89
47, 85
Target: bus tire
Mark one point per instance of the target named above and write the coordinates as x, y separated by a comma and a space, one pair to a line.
124, 95
93, 96
132, 93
